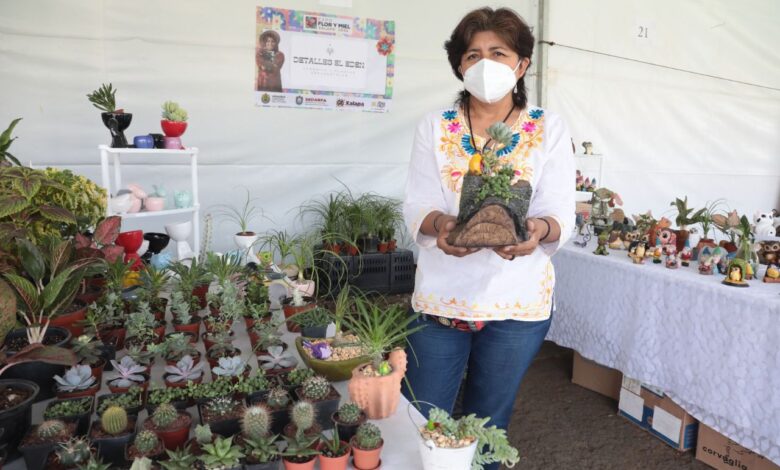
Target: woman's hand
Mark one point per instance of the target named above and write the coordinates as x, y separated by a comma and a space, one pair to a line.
446, 224
524, 248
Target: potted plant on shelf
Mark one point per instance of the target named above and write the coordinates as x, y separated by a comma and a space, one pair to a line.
145, 444
170, 425
303, 420
77, 381
300, 453
41, 440
389, 216
321, 394
173, 123
245, 239
367, 447
258, 442
312, 323
116, 120
706, 220
376, 386
222, 414
112, 433
347, 419
183, 319
334, 452
330, 214
184, 371
464, 443
75, 453
128, 374
222, 454
71, 410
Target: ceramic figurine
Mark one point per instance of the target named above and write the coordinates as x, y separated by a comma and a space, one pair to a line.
686, 255
705, 264
672, 262
657, 251
772, 273
764, 224
615, 241
588, 146
769, 252
602, 202
637, 253
182, 199
668, 239
121, 204
736, 273
601, 249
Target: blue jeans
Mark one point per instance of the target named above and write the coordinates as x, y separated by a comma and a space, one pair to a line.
497, 356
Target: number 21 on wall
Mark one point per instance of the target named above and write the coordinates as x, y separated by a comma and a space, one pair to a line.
642, 32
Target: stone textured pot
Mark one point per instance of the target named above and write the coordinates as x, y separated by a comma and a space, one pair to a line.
334, 371
379, 396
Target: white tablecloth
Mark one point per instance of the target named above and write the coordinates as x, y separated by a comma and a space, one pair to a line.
400, 447
713, 348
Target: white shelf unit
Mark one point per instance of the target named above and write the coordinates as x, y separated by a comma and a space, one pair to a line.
116, 157
588, 165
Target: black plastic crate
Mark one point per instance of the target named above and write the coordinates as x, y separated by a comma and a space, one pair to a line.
402, 270
334, 272
371, 272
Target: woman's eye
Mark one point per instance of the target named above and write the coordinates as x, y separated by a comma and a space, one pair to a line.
471, 56
499, 53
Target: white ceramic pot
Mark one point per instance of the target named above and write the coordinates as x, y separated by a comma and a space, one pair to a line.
245, 244
180, 233
437, 458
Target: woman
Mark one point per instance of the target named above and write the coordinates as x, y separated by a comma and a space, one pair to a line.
488, 309
269, 62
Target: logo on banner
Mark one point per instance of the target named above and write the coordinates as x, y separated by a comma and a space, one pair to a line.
354, 104
310, 22
299, 100
339, 102
326, 24
315, 101
266, 98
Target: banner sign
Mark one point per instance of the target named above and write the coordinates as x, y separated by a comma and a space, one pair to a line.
313, 60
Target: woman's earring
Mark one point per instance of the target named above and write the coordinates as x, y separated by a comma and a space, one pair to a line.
515, 88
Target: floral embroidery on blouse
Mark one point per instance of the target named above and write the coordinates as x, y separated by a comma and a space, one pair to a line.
458, 145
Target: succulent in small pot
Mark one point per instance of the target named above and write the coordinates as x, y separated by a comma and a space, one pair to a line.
296, 377
222, 414
71, 410
40, 441
142, 327
263, 335
303, 419
322, 395
298, 303
259, 443
181, 459
73, 453
222, 453
177, 345
347, 419
300, 450
128, 374
253, 388
277, 360
257, 304
153, 281
334, 452
131, 401
183, 319
145, 444
313, 323
76, 382
184, 371
232, 367
143, 355
116, 120
179, 397
112, 433
277, 400
171, 425
89, 352
367, 447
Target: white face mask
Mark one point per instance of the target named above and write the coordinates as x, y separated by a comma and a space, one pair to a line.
489, 81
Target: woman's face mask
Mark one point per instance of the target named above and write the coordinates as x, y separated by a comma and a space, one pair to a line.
489, 81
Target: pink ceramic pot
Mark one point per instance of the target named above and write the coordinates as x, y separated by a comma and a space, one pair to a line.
154, 204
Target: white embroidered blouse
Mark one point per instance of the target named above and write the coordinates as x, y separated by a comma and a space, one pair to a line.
483, 286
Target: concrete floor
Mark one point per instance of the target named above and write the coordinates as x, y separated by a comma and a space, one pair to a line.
559, 425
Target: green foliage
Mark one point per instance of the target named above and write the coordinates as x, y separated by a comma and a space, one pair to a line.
153, 281
317, 316
350, 413
296, 377
497, 184
146, 442
278, 398
222, 406
7, 309
242, 216
256, 422
176, 346
104, 98
492, 443
379, 328
203, 434
180, 459
68, 408
164, 415
684, 216
114, 420
52, 429
87, 349
316, 388
368, 436
83, 198
300, 447
181, 308
127, 400
228, 298
6, 158
261, 449
140, 324
75, 451
332, 447
95, 464
256, 383
160, 395
190, 276
173, 112
221, 454
303, 415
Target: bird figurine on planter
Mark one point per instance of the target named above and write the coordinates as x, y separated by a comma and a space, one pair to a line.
492, 208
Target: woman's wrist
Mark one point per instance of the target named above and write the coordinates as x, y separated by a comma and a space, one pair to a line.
436, 226
546, 230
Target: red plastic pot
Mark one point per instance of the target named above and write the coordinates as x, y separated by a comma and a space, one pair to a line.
383, 247
116, 335
172, 438
71, 321
173, 128
193, 328
200, 292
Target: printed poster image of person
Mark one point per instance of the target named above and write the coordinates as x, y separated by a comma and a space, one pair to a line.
269, 62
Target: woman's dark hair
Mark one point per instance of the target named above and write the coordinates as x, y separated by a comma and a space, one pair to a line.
508, 26
270, 34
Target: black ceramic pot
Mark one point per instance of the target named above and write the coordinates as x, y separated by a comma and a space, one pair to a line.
117, 123
112, 449
224, 428
157, 241
17, 419
39, 372
314, 331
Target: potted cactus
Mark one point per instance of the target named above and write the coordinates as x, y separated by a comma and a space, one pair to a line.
258, 442
71, 410
334, 452
277, 400
40, 441
321, 394
112, 433
76, 382
145, 444
222, 454
173, 123
347, 419
222, 414
367, 447
171, 425
116, 120
131, 401
74, 453
303, 419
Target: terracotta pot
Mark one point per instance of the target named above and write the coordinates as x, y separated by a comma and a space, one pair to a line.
209, 325
728, 246
90, 392
334, 463
392, 245
290, 310
116, 335
299, 466
383, 247
366, 459
173, 438
200, 292
379, 396
193, 328
71, 321
351, 250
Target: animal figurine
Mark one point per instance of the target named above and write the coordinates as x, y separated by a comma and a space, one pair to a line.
769, 252
657, 251
637, 253
615, 241
772, 273
735, 276
588, 146
705, 264
668, 239
764, 224
686, 255
601, 249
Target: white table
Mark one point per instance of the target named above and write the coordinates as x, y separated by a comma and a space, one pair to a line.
400, 448
713, 348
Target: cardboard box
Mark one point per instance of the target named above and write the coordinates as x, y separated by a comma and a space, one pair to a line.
595, 377
657, 414
721, 453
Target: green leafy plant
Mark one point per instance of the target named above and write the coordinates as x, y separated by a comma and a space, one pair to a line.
203, 434
685, 215
180, 459
221, 453
706, 216
87, 349
296, 377
181, 308
496, 177
299, 448
6, 158
332, 446
161, 395
128, 400
177, 346
492, 443
253, 384
189, 276
242, 216
68, 408
140, 324
104, 99
95, 464
317, 316
173, 112
84, 199
153, 281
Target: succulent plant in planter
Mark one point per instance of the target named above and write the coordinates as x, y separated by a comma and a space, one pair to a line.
116, 120
145, 444
222, 454
222, 414
178, 345
296, 377
77, 381
170, 424
181, 459
334, 452
323, 396
300, 449
230, 367
277, 360
141, 325
184, 371
74, 453
258, 441
153, 281
128, 373
367, 446
183, 318
278, 398
38, 443
347, 419
265, 334
130, 401
313, 323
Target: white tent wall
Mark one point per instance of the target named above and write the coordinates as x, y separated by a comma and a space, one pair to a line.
201, 54
667, 133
